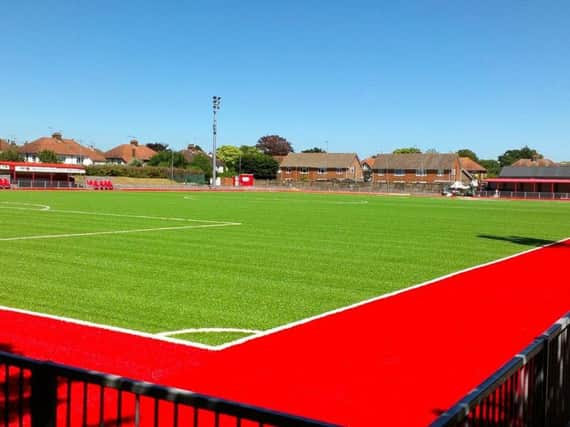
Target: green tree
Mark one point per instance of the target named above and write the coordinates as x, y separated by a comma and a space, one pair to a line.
168, 158
314, 150
48, 156
202, 162
248, 149
493, 167
157, 146
262, 166
11, 156
407, 150
230, 155
274, 145
465, 152
511, 156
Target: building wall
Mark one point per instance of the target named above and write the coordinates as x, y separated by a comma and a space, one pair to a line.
315, 174
417, 176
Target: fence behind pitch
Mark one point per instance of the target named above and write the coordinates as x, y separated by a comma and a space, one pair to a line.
533, 389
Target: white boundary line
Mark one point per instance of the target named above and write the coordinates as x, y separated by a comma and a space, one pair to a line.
108, 328
279, 328
208, 330
45, 208
100, 233
378, 298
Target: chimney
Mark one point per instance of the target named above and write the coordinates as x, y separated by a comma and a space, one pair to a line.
57, 135
134, 142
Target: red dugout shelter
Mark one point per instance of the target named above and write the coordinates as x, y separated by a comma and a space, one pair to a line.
535, 185
40, 175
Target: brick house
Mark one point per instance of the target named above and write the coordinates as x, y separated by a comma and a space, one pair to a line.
417, 168
126, 153
68, 151
320, 167
473, 168
5, 145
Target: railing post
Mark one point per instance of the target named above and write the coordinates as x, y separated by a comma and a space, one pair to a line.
43, 402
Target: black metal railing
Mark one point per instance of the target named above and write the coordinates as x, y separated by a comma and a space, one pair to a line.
532, 389
35, 393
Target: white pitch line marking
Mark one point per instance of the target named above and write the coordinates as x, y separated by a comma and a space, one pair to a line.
100, 233
378, 298
272, 330
109, 328
208, 330
143, 217
18, 205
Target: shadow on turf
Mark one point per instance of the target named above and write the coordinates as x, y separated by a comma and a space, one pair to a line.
527, 241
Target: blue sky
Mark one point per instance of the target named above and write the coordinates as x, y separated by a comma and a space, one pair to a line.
364, 76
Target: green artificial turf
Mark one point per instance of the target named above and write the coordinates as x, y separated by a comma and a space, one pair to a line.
293, 256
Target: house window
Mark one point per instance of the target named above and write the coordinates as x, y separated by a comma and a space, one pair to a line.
440, 172
321, 171
399, 172
339, 171
288, 171
381, 172
421, 172
304, 171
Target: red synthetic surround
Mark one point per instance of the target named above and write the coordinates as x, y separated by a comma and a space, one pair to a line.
396, 361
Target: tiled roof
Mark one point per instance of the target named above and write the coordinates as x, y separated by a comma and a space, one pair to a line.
95, 154
535, 172
533, 163
5, 145
128, 152
428, 161
57, 144
319, 160
369, 161
471, 165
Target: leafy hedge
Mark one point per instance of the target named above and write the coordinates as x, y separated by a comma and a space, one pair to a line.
138, 172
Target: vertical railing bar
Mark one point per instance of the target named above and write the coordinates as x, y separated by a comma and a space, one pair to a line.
21, 398
119, 407
175, 416
155, 412
137, 410
216, 419
68, 403
7, 394
195, 423
101, 405
84, 404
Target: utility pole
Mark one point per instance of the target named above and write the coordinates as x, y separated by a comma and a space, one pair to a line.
216, 106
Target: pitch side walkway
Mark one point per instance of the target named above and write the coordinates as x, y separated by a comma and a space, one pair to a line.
393, 362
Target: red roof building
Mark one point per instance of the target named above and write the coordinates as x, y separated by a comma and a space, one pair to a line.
68, 151
126, 153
